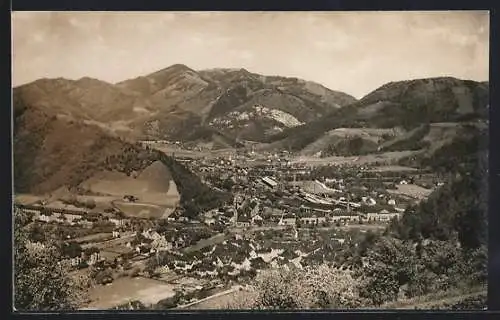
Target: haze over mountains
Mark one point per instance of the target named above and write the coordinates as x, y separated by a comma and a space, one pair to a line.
75, 120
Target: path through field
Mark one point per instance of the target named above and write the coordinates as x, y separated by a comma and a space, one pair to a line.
213, 302
430, 303
444, 301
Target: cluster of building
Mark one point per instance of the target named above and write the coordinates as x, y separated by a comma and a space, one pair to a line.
89, 260
82, 218
268, 190
266, 200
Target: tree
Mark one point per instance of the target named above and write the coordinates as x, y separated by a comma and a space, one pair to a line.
36, 233
41, 283
320, 286
135, 272
90, 203
478, 262
169, 303
90, 250
71, 249
460, 206
274, 290
103, 277
391, 263
424, 282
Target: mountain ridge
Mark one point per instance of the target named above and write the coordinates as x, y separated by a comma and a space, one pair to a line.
199, 106
168, 103
403, 105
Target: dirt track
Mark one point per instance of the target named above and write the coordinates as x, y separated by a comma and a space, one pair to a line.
434, 302
216, 301
445, 301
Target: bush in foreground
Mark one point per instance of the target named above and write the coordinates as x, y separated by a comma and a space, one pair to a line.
40, 282
321, 287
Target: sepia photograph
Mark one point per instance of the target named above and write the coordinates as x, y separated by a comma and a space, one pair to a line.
258, 160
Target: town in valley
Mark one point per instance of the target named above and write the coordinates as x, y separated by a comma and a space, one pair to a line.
216, 160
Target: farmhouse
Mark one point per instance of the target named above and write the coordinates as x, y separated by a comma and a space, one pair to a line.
345, 218
311, 210
94, 258
76, 261
243, 222
339, 240
288, 220
382, 216
314, 220
257, 219
209, 221
117, 222
369, 201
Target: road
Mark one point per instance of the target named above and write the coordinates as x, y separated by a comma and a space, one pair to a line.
255, 229
109, 243
217, 295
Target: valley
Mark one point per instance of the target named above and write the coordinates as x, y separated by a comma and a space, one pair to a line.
182, 187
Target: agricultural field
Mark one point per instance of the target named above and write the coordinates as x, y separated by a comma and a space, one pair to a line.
148, 291
386, 158
411, 190
27, 199
392, 168
153, 185
141, 210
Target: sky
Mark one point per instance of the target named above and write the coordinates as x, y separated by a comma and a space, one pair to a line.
353, 52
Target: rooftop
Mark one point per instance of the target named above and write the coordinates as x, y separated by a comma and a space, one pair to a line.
270, 181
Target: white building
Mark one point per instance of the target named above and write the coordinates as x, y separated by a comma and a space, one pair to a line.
256, 219
369, 201
94, 258
270, 182
383, 216
76, 261
117, 222
313, 220
345, 218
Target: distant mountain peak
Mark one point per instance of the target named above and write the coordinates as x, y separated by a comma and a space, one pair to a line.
46, 80
225, 70
175, 68
177, 102
90, 81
